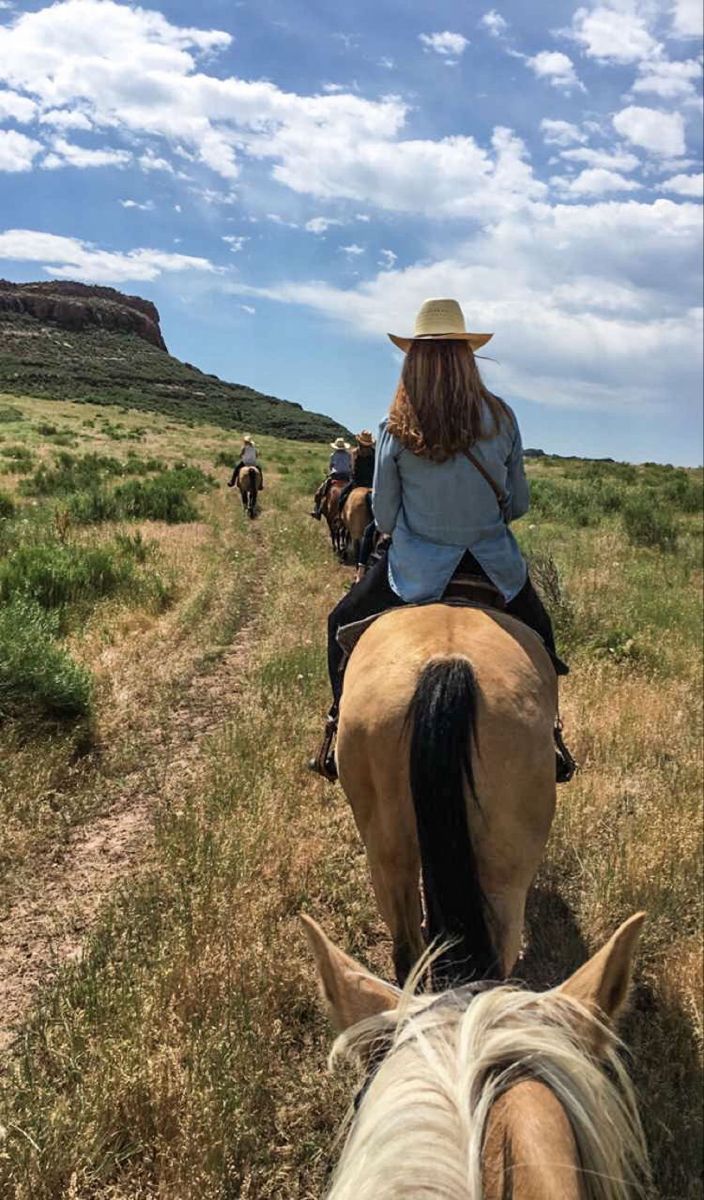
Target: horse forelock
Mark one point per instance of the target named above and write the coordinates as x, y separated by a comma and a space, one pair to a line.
421, 1123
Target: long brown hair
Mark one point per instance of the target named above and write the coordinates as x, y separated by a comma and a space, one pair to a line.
441, 405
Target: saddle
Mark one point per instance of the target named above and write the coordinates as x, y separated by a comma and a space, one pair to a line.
463, 591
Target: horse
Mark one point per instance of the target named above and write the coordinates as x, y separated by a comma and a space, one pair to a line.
487, 1093
330, 509
355, 516
445, 752
248, 483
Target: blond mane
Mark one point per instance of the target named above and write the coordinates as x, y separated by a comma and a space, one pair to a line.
420, 1126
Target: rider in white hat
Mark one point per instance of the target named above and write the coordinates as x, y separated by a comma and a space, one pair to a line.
448, 481
248, 458
339, 467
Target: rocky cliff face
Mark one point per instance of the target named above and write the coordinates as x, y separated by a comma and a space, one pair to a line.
79, 306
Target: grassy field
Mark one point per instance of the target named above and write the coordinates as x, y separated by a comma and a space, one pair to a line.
181, 1053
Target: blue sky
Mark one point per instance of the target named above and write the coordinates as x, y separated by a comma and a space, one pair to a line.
289, 180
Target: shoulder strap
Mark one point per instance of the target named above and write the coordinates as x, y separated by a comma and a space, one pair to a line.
501, 496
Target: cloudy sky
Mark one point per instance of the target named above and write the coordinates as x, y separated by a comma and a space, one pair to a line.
289, 179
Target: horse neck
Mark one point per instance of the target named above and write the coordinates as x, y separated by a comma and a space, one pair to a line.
498, 1101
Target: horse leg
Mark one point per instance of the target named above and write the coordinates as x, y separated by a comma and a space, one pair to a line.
386, 823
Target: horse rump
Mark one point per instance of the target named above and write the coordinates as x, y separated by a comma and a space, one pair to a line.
442, 718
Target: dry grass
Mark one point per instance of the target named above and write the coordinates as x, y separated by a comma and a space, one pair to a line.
184, 1055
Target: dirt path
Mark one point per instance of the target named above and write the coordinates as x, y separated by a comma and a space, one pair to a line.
51, 916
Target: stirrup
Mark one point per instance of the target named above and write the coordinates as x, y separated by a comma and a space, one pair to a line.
565, 764
324, 762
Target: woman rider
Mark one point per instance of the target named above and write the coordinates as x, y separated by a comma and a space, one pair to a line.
449, 478
362, 465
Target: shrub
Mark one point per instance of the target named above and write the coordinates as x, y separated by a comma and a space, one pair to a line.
160, 499
9, 413
71, 473
45, 429
54, 575
7, 506
34, 671
21, 457
90, 508
649, 523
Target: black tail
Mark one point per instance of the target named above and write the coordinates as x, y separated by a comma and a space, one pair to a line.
442, 718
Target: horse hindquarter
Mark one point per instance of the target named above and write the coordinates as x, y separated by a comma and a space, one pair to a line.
511, 756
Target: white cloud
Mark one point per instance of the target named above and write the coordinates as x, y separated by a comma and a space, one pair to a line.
688, 18
16, 108
613, 33
609, 160
320, 224
66, 154
633, 281
594, 181
557, 68
248, 309
147, 206
671, 80
151, 162
236, 242
494, 23
17, 152
387, 259
71, 258
446, 44
654, 130
387, 63
352, 251
561, 133
65, 118
684, 185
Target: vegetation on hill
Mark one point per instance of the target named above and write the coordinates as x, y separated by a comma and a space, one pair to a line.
74, 342
183, 1054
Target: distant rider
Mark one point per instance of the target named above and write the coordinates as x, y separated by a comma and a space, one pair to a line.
248, 458
362, 466
339, 467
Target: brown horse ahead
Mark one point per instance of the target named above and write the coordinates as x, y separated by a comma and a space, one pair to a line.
248, 483
355, 516
330, 508
445, 751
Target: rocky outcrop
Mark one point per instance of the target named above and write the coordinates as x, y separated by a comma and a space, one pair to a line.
80, 306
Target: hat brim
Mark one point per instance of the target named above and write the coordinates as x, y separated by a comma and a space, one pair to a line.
334, 446
476, 340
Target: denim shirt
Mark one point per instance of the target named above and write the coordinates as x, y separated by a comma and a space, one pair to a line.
435, 511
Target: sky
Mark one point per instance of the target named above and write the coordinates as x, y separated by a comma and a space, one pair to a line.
288, 180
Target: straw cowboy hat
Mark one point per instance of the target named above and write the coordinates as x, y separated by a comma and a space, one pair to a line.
364, 438
437, 320
248, 439
339, 444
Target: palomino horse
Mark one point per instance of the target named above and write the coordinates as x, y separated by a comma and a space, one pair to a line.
330, 508
248, 483
355, 515
487, 1093
445, 752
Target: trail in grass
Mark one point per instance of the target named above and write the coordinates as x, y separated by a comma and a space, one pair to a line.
50, 917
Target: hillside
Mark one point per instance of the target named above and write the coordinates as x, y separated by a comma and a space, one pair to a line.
71, 341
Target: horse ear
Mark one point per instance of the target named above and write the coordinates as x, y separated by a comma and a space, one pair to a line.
350, 991
602, 984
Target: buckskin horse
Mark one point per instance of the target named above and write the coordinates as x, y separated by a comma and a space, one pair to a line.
445, 752
355, 517
487, 1093
248, 483
330, 508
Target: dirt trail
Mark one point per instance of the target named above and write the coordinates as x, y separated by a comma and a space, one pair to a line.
50, 917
